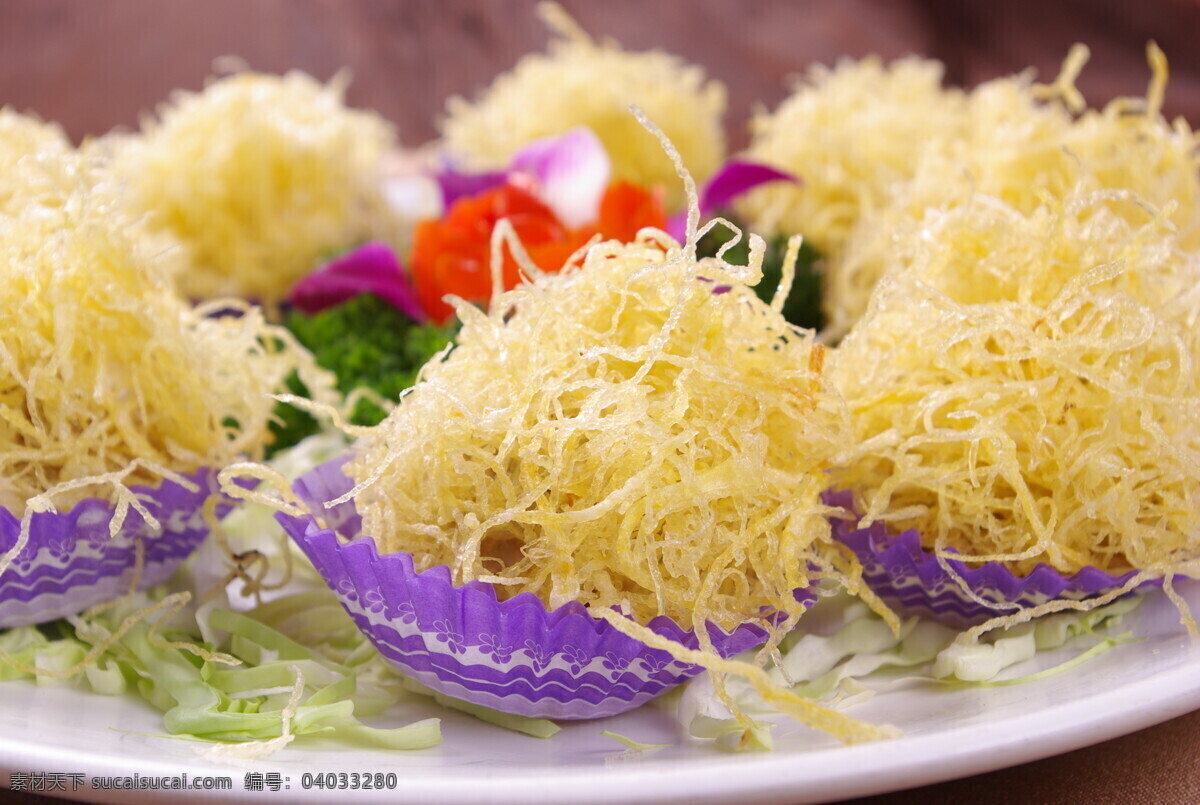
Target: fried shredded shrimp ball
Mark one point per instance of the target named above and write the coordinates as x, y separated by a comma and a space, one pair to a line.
853, 133
1024, 387
104, 370
879, 148
621, 436
582, 82
259, 177
22, 139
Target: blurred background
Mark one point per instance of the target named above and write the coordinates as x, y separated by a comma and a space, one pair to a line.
95, 64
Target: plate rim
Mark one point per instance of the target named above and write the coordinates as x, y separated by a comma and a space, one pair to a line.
1171, 688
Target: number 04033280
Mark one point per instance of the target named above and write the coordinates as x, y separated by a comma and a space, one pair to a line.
348, 780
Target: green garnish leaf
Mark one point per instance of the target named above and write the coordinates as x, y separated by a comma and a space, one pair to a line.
803, 305
631, 744
535, 727
366, 343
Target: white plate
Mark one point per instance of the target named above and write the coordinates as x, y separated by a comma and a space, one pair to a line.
949, 732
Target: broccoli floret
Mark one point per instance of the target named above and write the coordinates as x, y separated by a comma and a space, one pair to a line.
803, 305
364, 342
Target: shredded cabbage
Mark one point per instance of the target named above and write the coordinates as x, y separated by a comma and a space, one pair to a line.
273, 690
843, 653
630, 744
533, 727
582, 82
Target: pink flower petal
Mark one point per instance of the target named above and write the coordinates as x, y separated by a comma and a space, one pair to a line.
735, 178
371, 268
570, 171
455, 184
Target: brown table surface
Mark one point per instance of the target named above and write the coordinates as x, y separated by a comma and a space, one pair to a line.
96, 64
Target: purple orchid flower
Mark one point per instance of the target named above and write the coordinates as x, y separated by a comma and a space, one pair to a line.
567, 172
456, 184
371, 268
735, 178
570, 173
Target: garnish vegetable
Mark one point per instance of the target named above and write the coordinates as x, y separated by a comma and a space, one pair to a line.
453, 255
365, 343
253, 700
803, 305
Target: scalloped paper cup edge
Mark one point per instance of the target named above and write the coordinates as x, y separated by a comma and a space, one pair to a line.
70, 562
513, 656
909, 578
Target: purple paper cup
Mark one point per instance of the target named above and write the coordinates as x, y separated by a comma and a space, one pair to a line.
909, 578
71, 563
513, 656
